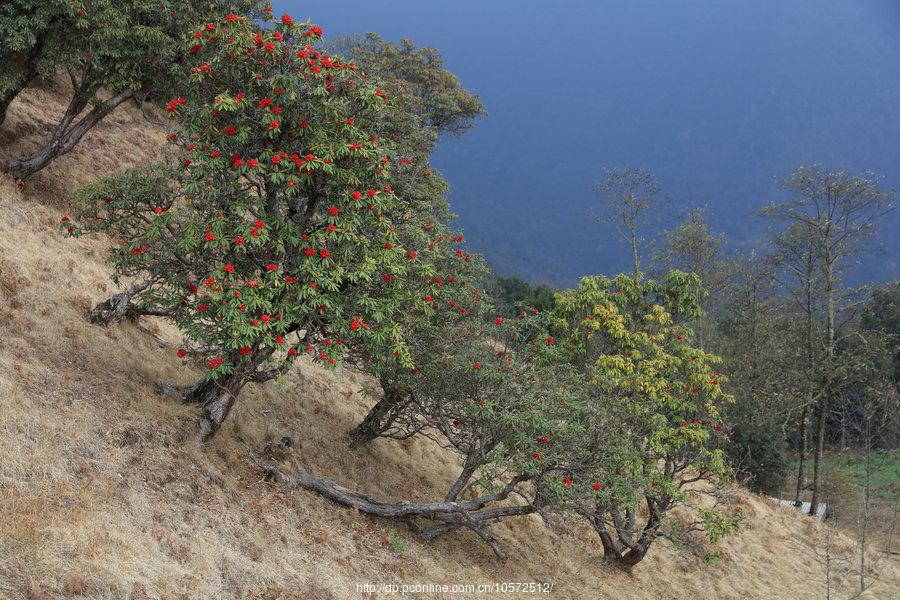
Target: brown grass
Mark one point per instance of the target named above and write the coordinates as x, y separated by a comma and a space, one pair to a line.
105, 492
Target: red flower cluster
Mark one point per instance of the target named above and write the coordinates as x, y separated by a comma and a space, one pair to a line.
173, 104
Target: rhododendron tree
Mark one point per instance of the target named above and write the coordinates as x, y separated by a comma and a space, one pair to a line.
521, 426
277, 230
629, 340
454, 303
111, 50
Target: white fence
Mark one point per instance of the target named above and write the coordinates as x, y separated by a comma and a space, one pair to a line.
804, 507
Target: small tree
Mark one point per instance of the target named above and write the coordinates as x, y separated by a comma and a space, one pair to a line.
278, 232
626, 337
112, 51
456, 306
630, 199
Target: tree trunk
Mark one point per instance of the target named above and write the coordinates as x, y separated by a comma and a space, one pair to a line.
801, 458
819, 453
217, 397
379, 418
635, 257
822, 417
621, 548
7, 98
65, 138
29, 73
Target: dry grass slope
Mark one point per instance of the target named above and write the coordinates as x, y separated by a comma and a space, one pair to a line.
105, 492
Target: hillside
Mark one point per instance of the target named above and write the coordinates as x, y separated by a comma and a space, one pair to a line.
106, 493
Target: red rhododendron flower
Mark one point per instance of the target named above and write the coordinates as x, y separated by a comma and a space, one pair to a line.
231, 18
333, 211
215, 362
210, 236
269, 47
498, 321
536, 456
357, 195
230, 130
239, 241
411, 254
567, 480
287, 19
371, 193
271, 267
292, 352
181, 353
477, 365
245, 350
229, 268
324, 253
310, 251
173, 104
598, 486
551, 340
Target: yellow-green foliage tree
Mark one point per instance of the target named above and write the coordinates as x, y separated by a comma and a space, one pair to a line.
628, 339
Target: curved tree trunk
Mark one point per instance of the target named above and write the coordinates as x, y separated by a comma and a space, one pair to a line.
65, 137
217, 398
379, 418
619, 545
451, 515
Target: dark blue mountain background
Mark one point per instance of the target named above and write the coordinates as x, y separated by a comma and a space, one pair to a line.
716, 97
